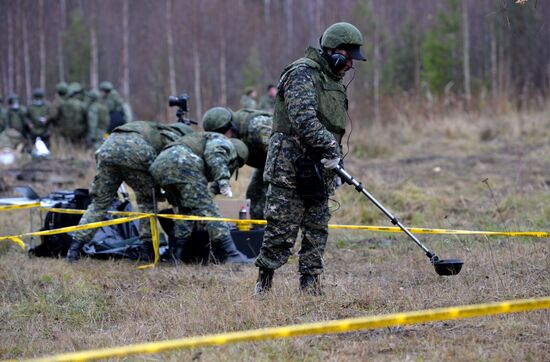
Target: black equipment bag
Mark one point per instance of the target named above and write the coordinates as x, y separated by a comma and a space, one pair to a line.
121, 240
198, 248
310, 183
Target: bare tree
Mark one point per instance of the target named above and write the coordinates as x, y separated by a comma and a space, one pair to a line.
26, 55
196, 60
125, 52
494, 65
170, 43
11, 56
223, 61
42, 45
466, 51
60, 58
94, 52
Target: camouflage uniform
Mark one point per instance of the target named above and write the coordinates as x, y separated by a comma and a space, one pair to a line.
254, 129
184, 173
69, 117
267, 103
184, 169
309, 121
3, 115
16, 116
124, 157
98, 119
38, 115
248, 102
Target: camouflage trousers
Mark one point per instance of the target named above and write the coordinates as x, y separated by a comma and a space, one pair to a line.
104, 192
191, 195
256, 193
286, 213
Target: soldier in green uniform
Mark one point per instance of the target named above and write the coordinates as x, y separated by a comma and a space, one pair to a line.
69, 118
98, 119
184, 169
125, 157
3, 115
248, 99
112, 100
17, 116
254, 129
308, 125
38, 115
62, 90
267, 102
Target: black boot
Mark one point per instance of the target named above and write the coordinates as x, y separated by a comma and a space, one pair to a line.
177, 249
264, 282
73, 254
228, 252
310, 284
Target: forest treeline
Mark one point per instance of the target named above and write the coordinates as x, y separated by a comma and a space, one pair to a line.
461, 51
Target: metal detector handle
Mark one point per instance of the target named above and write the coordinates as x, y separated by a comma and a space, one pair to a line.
347, 178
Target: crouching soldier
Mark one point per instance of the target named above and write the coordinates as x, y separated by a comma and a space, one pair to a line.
184, 169
254, 129
126, 157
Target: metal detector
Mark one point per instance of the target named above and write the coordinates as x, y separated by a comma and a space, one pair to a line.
442, 267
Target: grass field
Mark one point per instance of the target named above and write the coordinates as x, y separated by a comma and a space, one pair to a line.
461, 171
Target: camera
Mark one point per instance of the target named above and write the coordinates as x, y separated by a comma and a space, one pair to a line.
179, 101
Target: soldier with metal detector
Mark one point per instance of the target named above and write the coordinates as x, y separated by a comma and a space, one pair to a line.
308, 125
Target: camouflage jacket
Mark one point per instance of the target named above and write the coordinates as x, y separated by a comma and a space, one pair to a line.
38, 115
218, 155
98, 120
267, 103
247, 102
113, 102
254, 129
17, 119
136, 145
3, 119
71, 119
310, 99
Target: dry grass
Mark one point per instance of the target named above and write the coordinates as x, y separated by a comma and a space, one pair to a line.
429, 173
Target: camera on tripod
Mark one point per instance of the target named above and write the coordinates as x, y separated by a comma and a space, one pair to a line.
182, 102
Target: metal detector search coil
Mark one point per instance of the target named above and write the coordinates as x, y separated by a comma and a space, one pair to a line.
442, 267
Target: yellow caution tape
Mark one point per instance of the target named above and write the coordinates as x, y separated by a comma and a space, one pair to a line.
156, 243
390, 229
14, 207
327, 327
18, 238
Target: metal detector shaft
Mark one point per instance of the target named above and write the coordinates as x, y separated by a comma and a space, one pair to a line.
347, 178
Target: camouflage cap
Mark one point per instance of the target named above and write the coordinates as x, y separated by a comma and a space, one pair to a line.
93, 94
216, 118
62, 88
106, 86
242, 150
343, 36
38, 93
13, 97
75, 88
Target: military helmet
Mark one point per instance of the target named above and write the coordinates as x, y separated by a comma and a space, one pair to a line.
38, 93
106, 86
75, 88
242, 150
62, 88
343, 36
216, 118
93, 94
13, 97
180, 128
